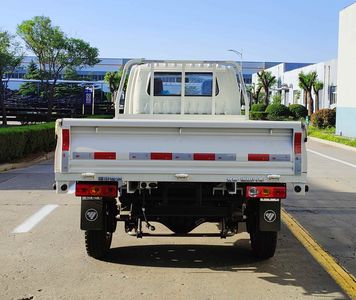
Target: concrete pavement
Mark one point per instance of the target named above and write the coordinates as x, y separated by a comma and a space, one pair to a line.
328, 211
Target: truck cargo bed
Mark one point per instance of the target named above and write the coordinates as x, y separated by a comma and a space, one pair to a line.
181, 148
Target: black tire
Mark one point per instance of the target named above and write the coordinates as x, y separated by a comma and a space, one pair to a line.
97, 242
263, 243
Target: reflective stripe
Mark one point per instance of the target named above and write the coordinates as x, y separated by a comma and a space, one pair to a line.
139, 155
258, 157
222, 156
94, 155
161, 156
297, 153
182, 156
298, 164
65, 161
268, 157
279, 157
104, 155
204, 156
83, 155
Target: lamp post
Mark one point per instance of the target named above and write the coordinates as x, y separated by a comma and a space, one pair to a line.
239, 54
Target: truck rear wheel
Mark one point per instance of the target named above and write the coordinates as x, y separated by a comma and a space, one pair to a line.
263, 243
97, 242
98, 238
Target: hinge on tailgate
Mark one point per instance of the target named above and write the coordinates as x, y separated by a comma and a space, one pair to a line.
273, 176
182, 176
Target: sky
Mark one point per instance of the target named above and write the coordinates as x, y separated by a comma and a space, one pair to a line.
263, 30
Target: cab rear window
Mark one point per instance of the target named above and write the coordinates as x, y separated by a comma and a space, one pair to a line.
170, 84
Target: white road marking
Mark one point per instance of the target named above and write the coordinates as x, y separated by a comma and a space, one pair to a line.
35, 218
333, 158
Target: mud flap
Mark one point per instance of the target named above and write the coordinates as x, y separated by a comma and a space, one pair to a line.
269, 215
92, 214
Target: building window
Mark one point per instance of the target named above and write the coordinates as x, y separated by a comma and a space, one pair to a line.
296, 96
333, 94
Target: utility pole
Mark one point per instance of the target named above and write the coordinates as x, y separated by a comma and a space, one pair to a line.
239, 54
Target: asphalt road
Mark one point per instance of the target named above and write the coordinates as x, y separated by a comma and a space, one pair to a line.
49, 261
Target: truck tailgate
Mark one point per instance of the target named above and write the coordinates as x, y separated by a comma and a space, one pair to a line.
171, 150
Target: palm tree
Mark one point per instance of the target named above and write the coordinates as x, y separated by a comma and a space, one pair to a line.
266, 80
317, 86
113, 80
306, 82
255, 92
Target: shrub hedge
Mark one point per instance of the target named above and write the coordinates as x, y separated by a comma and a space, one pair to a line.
298, 111
277, 112
258, 112
258, 107
18, 141
324, 118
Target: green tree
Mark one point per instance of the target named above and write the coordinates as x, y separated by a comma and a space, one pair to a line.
31, 88
55, 51
266, 81
317, 86
113, 80
306, 82
11, 56
255, 92
66, 89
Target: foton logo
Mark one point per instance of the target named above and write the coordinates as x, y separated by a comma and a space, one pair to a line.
91, 214
270, 216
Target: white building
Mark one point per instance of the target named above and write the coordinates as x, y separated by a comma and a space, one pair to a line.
346, 106
288, 83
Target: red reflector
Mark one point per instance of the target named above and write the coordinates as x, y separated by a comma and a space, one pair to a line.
96, 190
279, 192
104, 155
258, 157
65, 139
161, 155
204, 156
298, 143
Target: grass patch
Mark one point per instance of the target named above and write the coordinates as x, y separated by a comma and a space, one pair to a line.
99, 117
329, 135
21, 128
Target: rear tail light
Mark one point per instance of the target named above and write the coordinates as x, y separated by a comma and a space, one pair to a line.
65, 139
279, 192
96, 190
298, 143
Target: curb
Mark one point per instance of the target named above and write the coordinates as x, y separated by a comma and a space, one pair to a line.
341, 276
11, 166
330, 143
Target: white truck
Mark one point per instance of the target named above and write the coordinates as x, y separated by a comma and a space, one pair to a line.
181, 154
